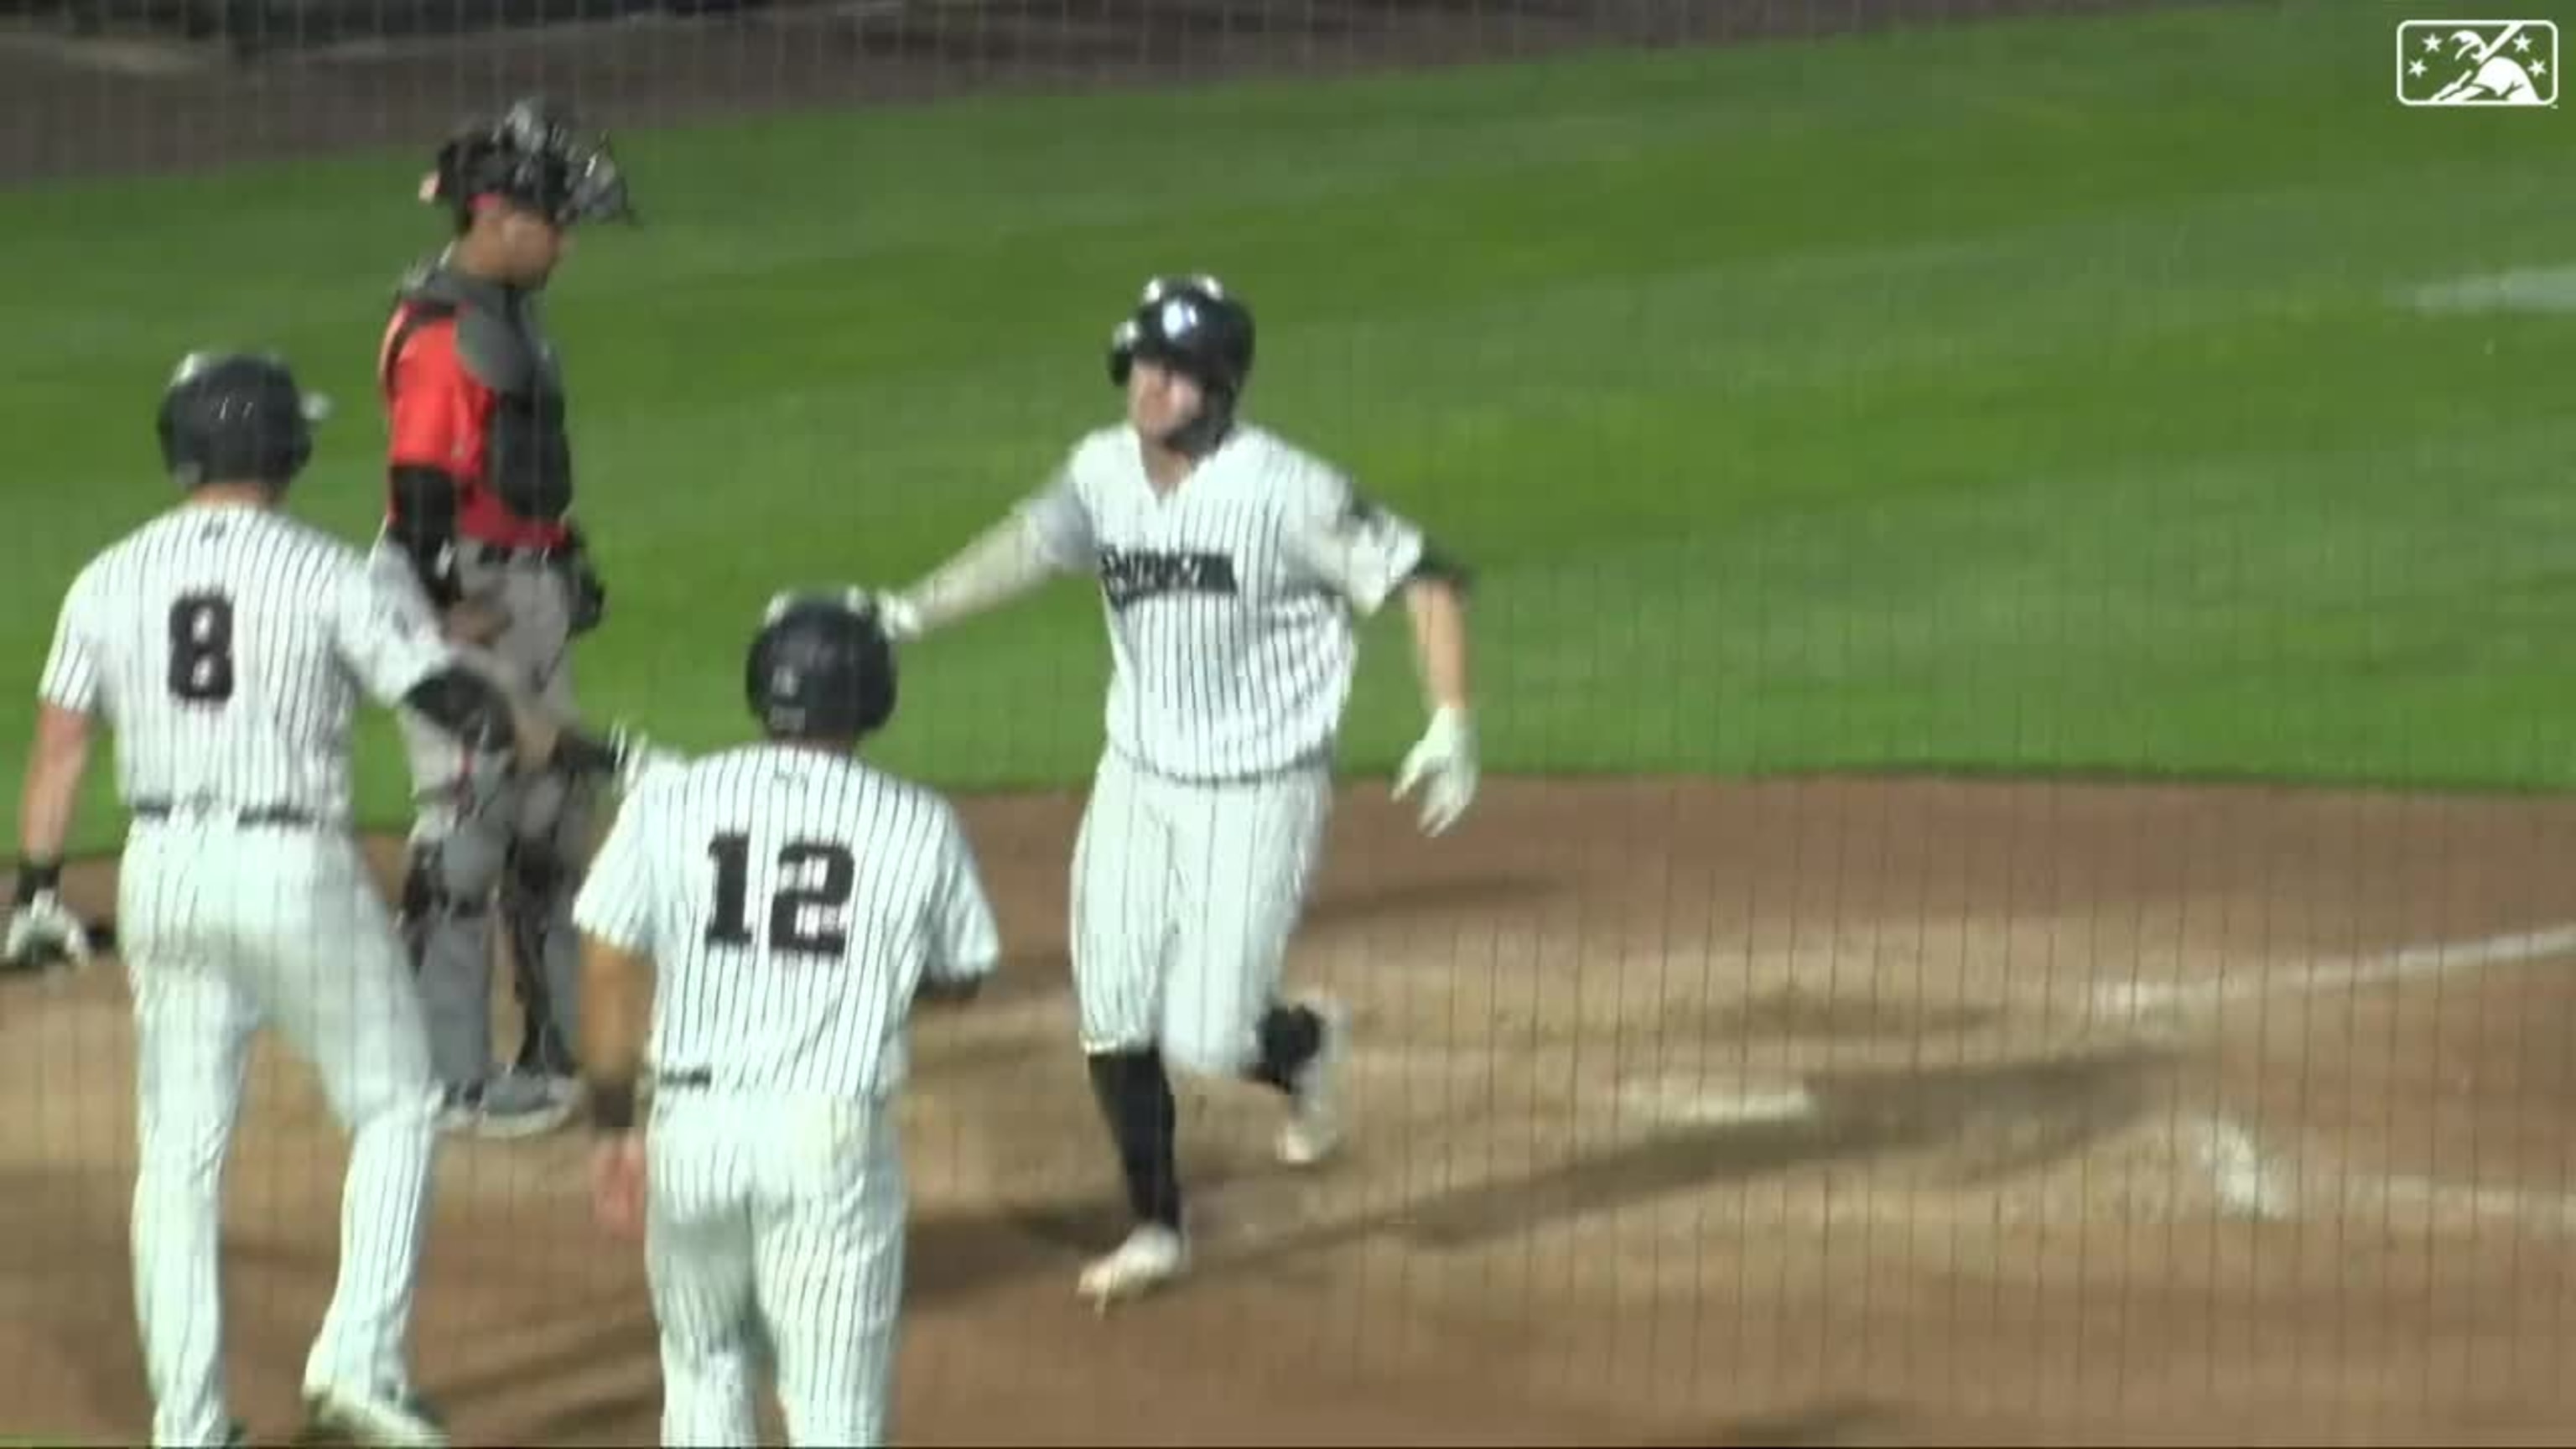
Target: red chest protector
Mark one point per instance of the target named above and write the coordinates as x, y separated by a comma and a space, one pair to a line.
471, 389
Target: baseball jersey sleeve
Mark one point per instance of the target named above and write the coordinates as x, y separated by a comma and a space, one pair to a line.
616, 900
383, 629
1344, 542
965, 943
71, 677
1060, 521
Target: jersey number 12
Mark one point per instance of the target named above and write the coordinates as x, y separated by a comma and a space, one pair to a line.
731, 925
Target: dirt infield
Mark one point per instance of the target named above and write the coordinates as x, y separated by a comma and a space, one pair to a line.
1845, 1112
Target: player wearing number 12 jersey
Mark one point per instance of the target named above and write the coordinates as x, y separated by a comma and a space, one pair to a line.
227, 644
794, 902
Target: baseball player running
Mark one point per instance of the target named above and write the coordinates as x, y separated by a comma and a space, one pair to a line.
480, 512
224, 642
1232, 566
797, 902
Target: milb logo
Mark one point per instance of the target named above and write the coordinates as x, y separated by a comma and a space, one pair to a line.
1127, 575
2477, 63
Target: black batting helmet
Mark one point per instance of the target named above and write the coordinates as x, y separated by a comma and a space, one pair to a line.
821, 667
236, 417
531, 156
1191, 325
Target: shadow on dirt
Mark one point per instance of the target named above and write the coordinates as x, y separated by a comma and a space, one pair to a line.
1966, 1126
1816, 1426
1978, 1124
1794, 1012
1361, 904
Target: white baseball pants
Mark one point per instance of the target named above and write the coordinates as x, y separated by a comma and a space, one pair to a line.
226, 929
1184, 899
774, 1238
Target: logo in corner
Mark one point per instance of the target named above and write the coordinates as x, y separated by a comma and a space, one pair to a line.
2477, 63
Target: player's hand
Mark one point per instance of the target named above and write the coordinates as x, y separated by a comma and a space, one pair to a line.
476, 621
1443, 762
617, 1184
43, 932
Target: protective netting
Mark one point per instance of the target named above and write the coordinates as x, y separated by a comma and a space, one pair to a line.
106, 84
1996, 526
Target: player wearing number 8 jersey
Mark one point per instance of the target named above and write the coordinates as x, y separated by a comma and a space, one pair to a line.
227, 644
792, 903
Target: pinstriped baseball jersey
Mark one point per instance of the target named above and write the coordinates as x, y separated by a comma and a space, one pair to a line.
792, 901
229, 645
1231, 601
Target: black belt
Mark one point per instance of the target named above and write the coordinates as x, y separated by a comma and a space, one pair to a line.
285, 815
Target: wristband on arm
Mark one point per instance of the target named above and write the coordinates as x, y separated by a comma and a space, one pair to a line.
612, 1107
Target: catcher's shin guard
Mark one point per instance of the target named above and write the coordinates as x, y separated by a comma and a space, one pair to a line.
536, 898
446, 926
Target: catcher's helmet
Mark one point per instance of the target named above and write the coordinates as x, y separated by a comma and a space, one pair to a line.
821, 667
233, 417
531, 156
1191, 325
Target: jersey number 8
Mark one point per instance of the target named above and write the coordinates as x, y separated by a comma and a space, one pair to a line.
788, 935
201, 648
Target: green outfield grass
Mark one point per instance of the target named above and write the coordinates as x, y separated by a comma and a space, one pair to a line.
2025, 397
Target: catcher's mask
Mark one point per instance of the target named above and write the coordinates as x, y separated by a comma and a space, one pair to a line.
236, 417
821, 667
532, 158
1195, 327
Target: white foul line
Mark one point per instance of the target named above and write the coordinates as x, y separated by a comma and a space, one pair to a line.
2407, 964
2468, 1200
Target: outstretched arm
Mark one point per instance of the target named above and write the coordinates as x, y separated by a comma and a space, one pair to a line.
489, 719
1003, 563
385, 634
1049, 533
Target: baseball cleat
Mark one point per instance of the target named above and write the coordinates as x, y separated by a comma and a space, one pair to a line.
561, 1088
1314, 1126
400, 1421
1152, 1256
506, 1106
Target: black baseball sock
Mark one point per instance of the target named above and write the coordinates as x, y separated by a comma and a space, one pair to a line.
1135, 1095
1290, 1037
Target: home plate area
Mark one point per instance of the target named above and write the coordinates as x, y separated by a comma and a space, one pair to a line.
1817, 1111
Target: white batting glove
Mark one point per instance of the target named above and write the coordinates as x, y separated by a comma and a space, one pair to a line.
42, 931
900, 618
1444, 761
